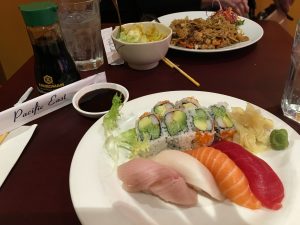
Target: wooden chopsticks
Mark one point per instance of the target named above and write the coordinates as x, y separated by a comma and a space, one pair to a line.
174, 66
3, 136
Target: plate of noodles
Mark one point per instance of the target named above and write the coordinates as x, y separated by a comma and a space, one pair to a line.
200, 31
98, 197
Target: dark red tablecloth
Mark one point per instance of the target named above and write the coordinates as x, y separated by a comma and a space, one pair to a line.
36, 192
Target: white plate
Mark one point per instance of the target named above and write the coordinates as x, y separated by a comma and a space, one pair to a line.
98, 197
253, 30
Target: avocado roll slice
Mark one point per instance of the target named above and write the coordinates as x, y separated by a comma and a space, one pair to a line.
162, 107
202, 124
187, 103
148, 127
176, 122
202, 120
223, 124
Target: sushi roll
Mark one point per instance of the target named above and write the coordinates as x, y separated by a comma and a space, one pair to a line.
148, 127
223, 124
162, 107
176, 122
202, 124
179, 134
187, 103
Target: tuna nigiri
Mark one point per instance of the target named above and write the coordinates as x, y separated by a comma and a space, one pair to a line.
230, 179
193, 171
263, 181
149, 176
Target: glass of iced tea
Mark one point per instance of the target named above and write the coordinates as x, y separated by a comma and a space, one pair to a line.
80, 22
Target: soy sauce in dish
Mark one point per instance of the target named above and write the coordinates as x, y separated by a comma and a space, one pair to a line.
98, 100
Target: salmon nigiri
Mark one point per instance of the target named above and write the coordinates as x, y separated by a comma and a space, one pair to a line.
229, 178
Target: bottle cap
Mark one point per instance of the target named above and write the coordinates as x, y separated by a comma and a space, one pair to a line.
39, 13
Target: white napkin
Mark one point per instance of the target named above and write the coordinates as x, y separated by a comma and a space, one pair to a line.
113, 57
12, 147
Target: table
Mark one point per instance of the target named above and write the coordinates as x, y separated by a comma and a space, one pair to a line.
37, 190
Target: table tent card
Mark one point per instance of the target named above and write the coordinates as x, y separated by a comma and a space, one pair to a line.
30, 110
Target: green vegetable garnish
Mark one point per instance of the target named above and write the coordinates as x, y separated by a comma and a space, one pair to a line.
279, 139
127, 140
239, 22
110, 119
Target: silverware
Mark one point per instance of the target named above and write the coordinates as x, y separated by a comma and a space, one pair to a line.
115, 2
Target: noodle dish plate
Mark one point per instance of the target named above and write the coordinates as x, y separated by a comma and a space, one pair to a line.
250, 28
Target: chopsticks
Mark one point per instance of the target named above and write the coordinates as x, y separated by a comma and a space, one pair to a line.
2, 137
174, 66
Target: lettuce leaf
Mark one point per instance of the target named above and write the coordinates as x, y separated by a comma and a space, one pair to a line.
115, 141
110, 119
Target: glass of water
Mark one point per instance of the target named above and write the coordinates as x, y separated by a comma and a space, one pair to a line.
290, 103
81, 27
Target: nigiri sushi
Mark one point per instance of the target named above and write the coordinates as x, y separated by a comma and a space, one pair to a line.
193, 171
263, 181
149, 176
230, 179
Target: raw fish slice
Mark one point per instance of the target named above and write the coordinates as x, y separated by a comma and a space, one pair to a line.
149, 176
193, 171
230, 179
263, 181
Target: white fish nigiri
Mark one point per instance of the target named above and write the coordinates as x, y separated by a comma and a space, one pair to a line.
193, 171
149, 176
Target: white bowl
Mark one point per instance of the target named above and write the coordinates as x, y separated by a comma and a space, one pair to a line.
90, 89
143, 56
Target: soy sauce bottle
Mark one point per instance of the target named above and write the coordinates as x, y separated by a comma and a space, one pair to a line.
54, 67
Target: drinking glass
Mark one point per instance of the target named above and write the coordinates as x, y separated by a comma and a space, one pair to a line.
81, 27
290, 103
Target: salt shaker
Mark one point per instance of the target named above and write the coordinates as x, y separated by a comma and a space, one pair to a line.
290, 103
54, 66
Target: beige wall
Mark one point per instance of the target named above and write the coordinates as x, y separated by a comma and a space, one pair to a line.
15, 47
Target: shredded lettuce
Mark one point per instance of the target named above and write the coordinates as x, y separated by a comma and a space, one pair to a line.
111, 117
115, 142
129, 141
